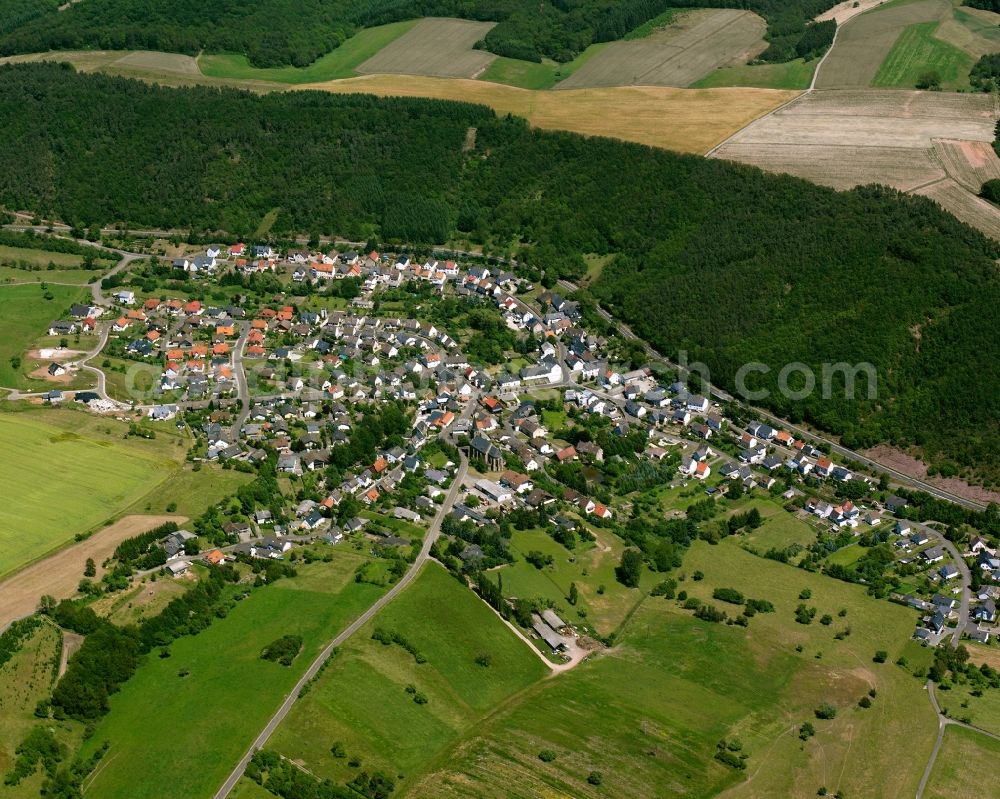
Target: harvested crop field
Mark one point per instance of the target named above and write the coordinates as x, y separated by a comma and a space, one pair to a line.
965, 205
60, 574
437, 47
968, 163
686, 120
865, 41
697, 43
910, 140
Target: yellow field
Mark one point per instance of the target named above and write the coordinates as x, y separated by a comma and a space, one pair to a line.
686, 120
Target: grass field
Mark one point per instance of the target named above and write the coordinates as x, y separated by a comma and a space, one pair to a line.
25, 315
24, 679
64, 482
866, 41
918, 52
361, 698
339, 63
961, 767
10, 274
529, 75
212, 714
690, 47
43, 258
648, 713
790, 75
437, 47
604, 600
780, 528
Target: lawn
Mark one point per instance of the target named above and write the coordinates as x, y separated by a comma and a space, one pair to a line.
795, 74
336, 64
209, 717
44, 259
65, 482
963, 766
25, 315
361, 699
191, 492
12, 274
918, 52
647, 714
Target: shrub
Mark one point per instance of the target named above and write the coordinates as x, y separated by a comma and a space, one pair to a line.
880, 656
546, 755
826, 711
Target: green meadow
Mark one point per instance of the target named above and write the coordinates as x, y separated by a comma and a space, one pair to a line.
25, 315
205, 704
361, 700
648, 713
61, 481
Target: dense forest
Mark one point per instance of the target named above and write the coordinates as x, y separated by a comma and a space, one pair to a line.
719, 259
297, 32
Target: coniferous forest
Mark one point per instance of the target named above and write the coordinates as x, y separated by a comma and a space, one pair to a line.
276, 32
719, 259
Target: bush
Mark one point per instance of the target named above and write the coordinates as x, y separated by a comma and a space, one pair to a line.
283, 650
730, 595
807, 731
880, 656
595, 778
546, 755
826, 711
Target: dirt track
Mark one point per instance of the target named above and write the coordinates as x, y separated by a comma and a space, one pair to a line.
60, 574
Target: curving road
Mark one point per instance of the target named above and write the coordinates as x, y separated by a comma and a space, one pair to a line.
357, 624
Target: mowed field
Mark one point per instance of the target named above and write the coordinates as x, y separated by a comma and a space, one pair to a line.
188, 718
437, 47
865, 41
648, 713
913, 141
59, 482
691, 47
361, 699
919, 51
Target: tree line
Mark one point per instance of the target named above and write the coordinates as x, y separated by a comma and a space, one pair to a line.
297, 32
721, 260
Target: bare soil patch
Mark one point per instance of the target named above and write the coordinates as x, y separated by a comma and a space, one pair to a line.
437, 47
687, 50
914, 467
849, 8
60, 574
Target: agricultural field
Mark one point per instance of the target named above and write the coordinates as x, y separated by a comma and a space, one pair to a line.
790, 75
200, 710
913, 141
960, 768
690, 121
692, 46
919, 52
685, 684
437, 47
376, 719
25, 315
339, 63
866, 41
531, 75
59, 575
65, 482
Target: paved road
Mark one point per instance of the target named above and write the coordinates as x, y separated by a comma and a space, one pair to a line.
943, 723
242, 390
364, 618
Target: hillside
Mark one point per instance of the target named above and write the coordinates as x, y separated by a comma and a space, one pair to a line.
277, 32
736, 265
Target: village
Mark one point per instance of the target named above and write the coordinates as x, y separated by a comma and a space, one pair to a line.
486, 438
